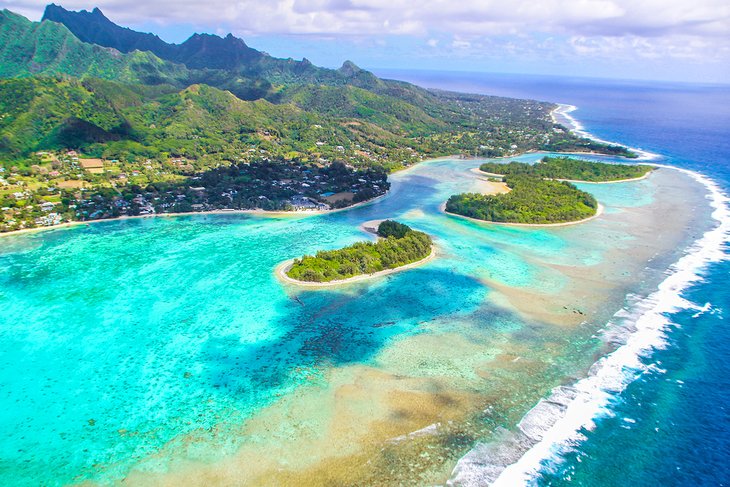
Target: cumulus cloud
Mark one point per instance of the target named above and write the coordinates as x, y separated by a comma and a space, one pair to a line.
677, 28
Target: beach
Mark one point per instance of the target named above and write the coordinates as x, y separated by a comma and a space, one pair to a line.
260, 212
283, 268
345, 384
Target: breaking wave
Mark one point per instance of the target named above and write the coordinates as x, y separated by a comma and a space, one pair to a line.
562, 115
554, 425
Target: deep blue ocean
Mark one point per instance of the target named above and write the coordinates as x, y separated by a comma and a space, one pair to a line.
165, 351
672, 425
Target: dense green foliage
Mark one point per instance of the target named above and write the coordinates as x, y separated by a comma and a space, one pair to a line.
362, 258
56, 113
384, 122
582, 144
161, 117
530, 200
392, 228
129, 122
569, 168
31, 48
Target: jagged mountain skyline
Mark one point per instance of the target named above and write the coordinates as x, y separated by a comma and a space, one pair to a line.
595, 38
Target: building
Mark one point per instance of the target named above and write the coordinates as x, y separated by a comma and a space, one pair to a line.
47, 206
94, 166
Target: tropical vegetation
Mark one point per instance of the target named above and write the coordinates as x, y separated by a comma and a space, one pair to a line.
399, 246
569, 168
392, 228
530, 200
156, 118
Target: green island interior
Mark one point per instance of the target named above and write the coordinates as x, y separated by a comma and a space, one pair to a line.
569, 168
541, 193
397, 246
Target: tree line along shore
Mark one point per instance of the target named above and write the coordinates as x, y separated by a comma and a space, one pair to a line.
398, 245
89, 133
542, 193
569, 169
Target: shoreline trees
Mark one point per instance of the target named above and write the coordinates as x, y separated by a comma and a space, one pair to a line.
569, 168
399, 246
531, 201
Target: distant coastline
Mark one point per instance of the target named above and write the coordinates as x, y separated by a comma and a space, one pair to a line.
564, 110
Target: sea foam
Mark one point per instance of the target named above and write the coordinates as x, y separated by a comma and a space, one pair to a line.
553, 427
564, 111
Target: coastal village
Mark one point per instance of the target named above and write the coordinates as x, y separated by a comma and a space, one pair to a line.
63, 186
334, 170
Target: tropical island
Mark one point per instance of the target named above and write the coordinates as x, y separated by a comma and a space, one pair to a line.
98, 121
398, 247
542, 193
570, 169
531, 200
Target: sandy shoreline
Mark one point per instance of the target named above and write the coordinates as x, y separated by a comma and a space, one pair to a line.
302, 212
371, 226
476, 170
606, 182
496, 190
284, 267
295, 213
599, 212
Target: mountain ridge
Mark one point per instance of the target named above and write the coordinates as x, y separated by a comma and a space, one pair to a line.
48, 48
123, 40
248, 122
388, 110
199, 51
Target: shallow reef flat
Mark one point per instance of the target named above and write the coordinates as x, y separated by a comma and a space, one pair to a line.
214, 372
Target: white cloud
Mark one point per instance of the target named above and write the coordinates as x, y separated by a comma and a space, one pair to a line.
648, 28
460, 44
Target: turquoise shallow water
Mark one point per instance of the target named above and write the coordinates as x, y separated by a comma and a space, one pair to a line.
671, 425
119, 337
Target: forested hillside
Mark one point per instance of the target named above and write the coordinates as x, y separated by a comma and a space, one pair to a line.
93, 112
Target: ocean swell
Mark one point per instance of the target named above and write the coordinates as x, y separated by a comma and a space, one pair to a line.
554, 425
562, 114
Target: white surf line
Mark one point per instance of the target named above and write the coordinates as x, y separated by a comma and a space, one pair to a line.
577, 128
553, 426
611, 374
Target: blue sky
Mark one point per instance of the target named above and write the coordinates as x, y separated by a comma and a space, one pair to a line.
639, 39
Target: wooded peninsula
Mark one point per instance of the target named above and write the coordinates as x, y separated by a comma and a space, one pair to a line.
398, 245
569, 168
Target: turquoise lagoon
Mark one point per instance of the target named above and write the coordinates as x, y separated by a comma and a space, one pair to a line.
153, 348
